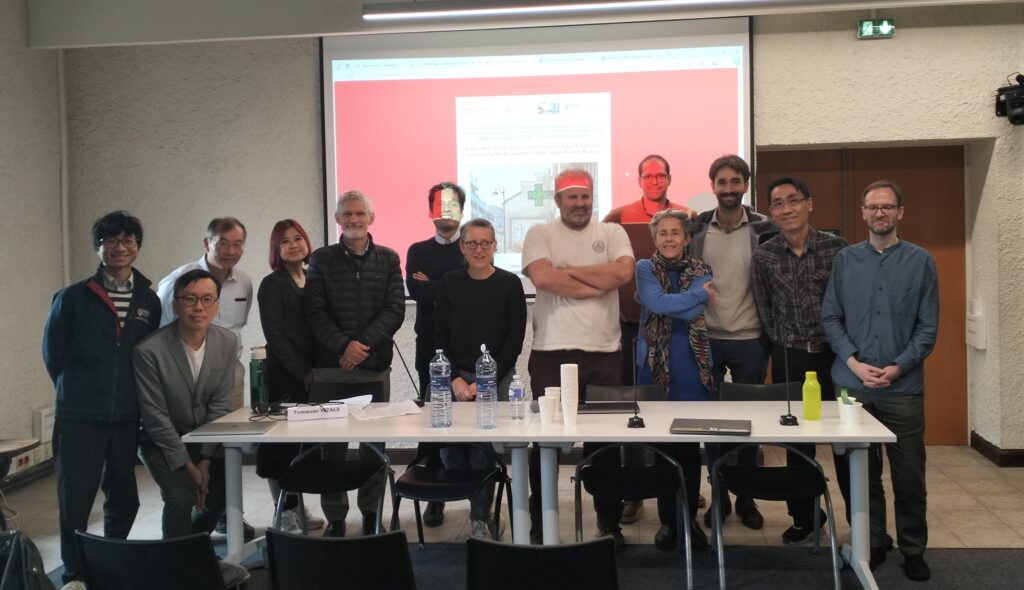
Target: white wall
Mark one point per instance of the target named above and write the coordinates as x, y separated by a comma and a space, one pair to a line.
178, 134
30, 222
815, 84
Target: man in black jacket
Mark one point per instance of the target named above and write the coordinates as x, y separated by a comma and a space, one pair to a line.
355, 303
90, 333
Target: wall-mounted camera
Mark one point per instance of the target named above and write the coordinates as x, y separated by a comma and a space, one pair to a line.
1010, 102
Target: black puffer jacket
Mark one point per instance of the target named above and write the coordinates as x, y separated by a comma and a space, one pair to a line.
350, 297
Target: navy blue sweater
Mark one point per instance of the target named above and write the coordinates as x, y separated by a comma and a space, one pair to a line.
89, 354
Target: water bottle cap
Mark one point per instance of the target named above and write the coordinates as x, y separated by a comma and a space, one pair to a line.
439, 351
483, 348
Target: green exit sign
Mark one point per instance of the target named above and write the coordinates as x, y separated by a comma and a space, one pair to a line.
879, 28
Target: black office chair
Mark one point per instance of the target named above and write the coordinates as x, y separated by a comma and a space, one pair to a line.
501, 566
636, 483
420, 483
313, 473
314, 470
298, 562
165, 564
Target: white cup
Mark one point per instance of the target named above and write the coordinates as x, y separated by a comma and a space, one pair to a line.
850, 413
554, 393
547, 409
569, 377
570, 404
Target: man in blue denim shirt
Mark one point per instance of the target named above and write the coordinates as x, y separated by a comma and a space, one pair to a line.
881, 314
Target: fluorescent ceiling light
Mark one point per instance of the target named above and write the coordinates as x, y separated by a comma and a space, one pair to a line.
439, 10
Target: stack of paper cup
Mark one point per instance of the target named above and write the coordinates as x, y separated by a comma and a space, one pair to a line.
570, 375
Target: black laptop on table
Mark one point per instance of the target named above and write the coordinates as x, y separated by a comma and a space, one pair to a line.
710, 426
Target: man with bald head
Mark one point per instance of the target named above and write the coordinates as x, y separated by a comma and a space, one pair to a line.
577, 265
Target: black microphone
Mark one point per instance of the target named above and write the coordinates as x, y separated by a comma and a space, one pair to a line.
787, 419
635, 421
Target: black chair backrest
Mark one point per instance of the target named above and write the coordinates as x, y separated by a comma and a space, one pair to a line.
753, 392
500, 566
165, 564
624, 393
375, 562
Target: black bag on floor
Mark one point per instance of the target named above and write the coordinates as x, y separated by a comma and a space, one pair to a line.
21, 564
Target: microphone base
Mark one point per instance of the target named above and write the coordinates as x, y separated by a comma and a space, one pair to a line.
788, 420
636, 422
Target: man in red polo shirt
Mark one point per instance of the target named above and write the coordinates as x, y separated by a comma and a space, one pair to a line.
654, 179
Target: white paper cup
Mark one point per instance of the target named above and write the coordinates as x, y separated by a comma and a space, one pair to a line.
570, 404
554, 393
547, 409
850, 413
569, 377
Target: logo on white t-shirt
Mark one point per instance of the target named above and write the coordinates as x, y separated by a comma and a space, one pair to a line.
598, 246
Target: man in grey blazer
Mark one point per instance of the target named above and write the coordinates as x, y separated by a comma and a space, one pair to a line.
185, 374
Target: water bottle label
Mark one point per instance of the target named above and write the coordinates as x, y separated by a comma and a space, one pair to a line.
516, 394
486, 383
440, 382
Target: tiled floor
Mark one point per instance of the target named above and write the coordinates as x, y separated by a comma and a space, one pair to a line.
971, 503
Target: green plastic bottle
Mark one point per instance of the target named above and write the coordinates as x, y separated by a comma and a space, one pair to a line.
812, 397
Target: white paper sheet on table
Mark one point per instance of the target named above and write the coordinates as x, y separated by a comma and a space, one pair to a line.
353, 402
371, 412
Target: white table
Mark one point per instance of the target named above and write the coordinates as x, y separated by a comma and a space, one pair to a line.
410, 428
765, 427
853, 439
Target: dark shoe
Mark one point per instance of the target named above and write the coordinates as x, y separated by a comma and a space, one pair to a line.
335, 528
747, 510
878, 553
915, 568
631, 510
615, 533
434, 514
726, 510
665, 538
795, 535
222, 528
369, 524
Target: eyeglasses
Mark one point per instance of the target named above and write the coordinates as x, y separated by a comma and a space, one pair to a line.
223, 244
482, 244
112, 243
887, 209
660, 177
191, 300
790, 202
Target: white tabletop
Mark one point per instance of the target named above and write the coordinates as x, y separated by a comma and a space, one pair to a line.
408, 428
764, 417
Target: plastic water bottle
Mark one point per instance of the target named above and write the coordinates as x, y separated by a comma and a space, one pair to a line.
440, 391
486, 390
516, 399
258, 399
812, 397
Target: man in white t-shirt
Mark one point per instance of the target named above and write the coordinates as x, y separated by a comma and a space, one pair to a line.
577, 265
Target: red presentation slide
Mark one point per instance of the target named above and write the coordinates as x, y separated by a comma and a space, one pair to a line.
395, 139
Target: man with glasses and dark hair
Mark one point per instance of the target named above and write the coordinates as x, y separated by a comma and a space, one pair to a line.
881, 316
726, 238
185, 376
90, 333
790, 272
654, 177
224, 245
425, 264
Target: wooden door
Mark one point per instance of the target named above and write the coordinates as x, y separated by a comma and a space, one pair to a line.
932, 179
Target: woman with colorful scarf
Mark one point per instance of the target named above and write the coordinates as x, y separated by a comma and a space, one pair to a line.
673, 349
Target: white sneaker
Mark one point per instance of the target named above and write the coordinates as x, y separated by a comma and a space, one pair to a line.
479, 529
74, 585
290, 522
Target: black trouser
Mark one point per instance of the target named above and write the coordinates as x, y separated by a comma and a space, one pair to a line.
595, 368
688, 456
180, 515
799, 362
89, 456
